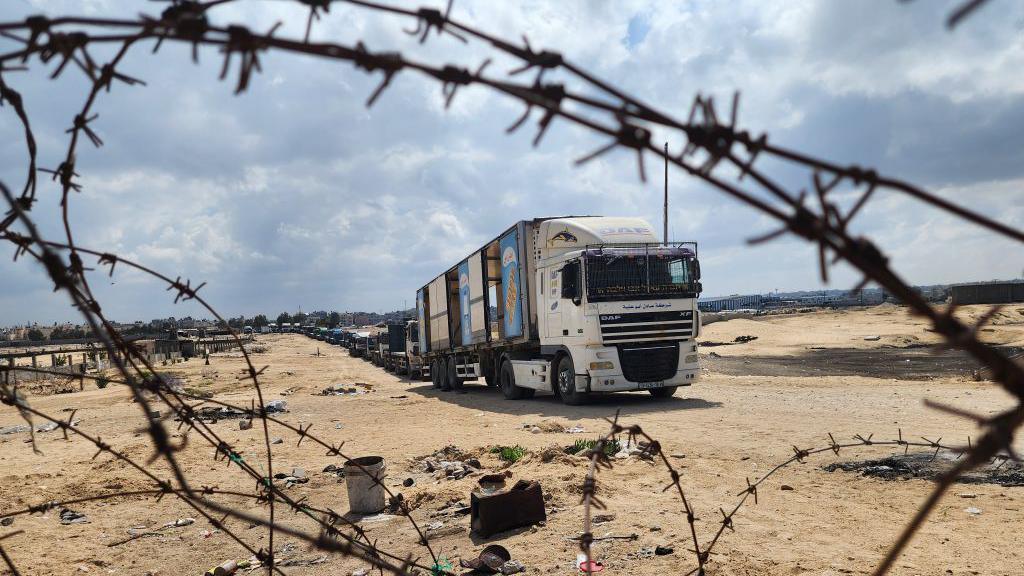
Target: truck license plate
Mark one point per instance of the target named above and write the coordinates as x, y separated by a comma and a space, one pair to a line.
649, 385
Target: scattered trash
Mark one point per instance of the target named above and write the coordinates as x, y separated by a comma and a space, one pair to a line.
276, 406
492, 559
399, 397
408, 482
973, 511
338, 426
522, 505
245, 424
298, 472
663, 550
512, 567
451, 463
577, 429
588, 566
68, 516
967, 495
439, 530
744, 339
14, 429
872, 338
603, 518
7, 521
536, 430
785, 487
644, 553
930, 466
277, 441
48, 427
344, 390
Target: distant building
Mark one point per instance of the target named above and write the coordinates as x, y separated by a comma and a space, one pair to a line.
987, 292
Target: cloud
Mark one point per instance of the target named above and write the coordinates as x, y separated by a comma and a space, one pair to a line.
294, 193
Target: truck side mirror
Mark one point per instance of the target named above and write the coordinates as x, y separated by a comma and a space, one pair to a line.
571, 282
696, 269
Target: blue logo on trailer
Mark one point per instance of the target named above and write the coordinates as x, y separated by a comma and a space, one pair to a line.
422, 313
509, 248
467, 327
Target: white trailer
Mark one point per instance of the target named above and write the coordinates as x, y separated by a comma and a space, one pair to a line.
569, 306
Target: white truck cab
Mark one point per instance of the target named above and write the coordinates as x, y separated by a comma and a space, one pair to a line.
583, 305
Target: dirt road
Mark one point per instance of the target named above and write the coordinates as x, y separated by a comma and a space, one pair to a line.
722, 430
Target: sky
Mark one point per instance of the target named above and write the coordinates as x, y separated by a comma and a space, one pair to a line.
295, 194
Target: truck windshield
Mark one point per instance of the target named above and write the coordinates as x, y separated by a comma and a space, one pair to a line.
638, 273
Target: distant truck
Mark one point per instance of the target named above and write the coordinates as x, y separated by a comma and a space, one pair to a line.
583, 305
404, 350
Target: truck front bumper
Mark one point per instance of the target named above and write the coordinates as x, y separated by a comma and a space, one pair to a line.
604, 371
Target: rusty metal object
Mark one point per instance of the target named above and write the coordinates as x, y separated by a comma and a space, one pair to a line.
521, 505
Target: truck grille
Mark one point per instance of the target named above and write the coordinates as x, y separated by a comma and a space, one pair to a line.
647, 326
649, 362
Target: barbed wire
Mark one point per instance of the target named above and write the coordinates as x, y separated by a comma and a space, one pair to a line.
64, 43
649, 447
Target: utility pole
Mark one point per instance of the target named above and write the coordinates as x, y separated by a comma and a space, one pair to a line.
665, 236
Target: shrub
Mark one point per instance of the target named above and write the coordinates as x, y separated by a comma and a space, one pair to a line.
509, 454
611, 447
101, 383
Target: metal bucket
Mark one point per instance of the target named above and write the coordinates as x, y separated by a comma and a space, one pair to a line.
365, 495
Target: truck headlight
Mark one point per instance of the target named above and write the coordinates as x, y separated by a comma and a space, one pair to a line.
690, 359
602, 366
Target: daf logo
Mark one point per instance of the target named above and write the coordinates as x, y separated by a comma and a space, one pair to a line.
610, 317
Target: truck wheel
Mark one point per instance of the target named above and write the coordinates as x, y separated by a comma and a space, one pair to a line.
507, 382
665, 392
435, 374
454, 382
442, 374
566, 374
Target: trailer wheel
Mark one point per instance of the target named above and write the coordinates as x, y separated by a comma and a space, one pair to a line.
454, 382
665, 392
566, 374
507, 381
442, 374
435, 374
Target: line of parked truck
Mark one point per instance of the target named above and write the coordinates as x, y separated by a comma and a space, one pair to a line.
570, 306
394, 346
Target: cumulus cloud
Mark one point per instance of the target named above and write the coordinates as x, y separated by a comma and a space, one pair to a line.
295, 194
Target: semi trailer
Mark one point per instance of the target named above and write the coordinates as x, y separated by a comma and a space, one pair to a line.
571, 306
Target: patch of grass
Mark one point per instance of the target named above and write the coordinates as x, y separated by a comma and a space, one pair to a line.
611, 447
509, 454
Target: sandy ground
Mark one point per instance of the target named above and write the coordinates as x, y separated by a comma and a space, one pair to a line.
722, 430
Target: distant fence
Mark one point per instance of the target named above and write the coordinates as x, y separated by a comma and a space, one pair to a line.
987, 293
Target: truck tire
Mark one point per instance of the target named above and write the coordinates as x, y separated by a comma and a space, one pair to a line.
665, 392
507, 382
454, 382
565, 375
435, 374
442, 376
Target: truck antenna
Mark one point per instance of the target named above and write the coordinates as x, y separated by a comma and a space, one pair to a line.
666, 195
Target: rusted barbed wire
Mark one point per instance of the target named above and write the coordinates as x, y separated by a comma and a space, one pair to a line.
65, 43
651, 448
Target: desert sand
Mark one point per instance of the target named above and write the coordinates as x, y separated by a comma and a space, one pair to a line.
733, 424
